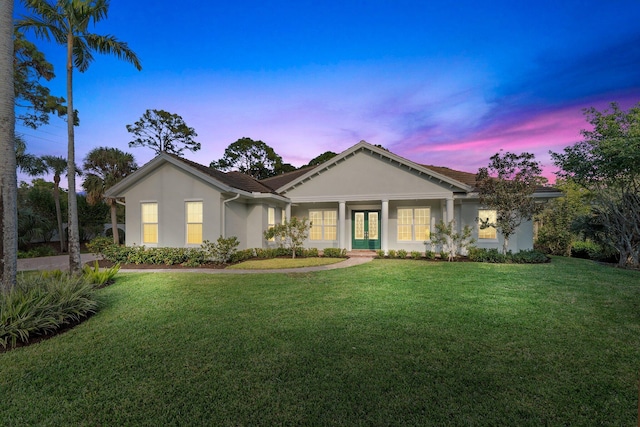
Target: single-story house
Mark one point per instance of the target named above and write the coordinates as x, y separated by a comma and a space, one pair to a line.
364, 198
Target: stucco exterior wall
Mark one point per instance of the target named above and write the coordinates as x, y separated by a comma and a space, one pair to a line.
171, 188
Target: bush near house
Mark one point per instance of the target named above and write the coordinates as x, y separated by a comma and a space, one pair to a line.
494, 256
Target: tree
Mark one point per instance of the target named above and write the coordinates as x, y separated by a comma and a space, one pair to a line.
105, 167
254, 158
33, 99
27, 163
291, 234
451, 241
67, 23
8, 176
607, 162
57, 165
507, 186
558, 219
327, 155
163, 131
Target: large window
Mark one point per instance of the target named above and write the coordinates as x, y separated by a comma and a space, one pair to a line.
194, 222
489, 232
324, 225
414, 224
271, 220
149, 223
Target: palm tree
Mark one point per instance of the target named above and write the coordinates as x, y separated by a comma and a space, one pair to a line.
56, 165
105, 167
8, 184
67, 22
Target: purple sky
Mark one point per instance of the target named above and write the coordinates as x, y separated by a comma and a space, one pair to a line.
443, 85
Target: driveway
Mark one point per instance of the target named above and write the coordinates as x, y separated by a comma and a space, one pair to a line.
58, 262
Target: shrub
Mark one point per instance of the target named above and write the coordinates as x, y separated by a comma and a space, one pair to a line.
311, 253
98, 245
402, 254
430, 255
487, 255
494, 256
392, 253
99, 277
380, 253
38, 251
222, 250
40, 304
334, 253
416, 255
530, 257
586, 249
243, 255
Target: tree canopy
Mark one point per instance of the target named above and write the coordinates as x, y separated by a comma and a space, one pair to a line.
607, 162
163, 131
254, 158
506, 186
318, 160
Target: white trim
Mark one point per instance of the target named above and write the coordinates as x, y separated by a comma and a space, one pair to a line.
373, 197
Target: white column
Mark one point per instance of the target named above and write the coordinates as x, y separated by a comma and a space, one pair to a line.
342, 224
385, 226
449, 209
287, 211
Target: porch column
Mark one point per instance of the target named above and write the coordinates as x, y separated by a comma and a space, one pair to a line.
449, 209
287, 211
385, 226
342, 224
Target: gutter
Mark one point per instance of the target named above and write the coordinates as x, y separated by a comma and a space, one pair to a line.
222, 217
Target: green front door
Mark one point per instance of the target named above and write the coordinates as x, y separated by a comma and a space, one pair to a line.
365, 230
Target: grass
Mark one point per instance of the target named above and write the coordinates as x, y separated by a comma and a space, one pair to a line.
279, 263
386, 343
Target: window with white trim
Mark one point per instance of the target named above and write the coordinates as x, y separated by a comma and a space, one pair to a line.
490, 216
271, 220
194, 222
149, 220
414, 224
324, 225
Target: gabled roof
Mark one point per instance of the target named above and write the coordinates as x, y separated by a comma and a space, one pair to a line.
233, 182
286, 181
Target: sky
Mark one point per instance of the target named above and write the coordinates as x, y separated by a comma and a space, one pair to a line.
439, 83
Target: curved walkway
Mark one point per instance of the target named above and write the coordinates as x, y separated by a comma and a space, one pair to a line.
61, 262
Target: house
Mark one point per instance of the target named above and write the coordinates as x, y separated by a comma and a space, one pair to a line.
364, 198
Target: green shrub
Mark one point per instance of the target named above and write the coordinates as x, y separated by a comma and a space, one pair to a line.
38, 251
430, 255
531, 256
392, 253
494, 256
99, 277
380, 253
416, 255
220, 251
311, 253
586, 249
243, 255
334, 253
98, 245
402, 254
487, 255
40, 304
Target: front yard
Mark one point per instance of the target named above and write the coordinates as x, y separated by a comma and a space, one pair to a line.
387, 343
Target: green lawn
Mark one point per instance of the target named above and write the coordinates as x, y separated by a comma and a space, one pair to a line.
386, 343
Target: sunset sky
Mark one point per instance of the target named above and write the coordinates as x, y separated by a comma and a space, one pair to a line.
441, 83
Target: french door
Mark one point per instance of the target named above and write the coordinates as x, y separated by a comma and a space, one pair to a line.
365, 230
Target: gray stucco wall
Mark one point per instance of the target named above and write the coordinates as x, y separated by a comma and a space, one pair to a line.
171, 188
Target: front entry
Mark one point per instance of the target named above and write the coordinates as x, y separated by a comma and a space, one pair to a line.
365, 232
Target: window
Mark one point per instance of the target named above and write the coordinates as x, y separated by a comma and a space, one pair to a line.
324, 225
271, 220
414, 224
490, 216
149, 223
194, 222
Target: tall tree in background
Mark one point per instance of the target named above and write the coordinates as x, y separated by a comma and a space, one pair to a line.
8, 177
57, 165
33, 100
105, 167
607, 162
507, 186
251, 157
163, 131
67, 23
327, 155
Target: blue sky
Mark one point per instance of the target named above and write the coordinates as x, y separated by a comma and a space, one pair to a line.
440, 83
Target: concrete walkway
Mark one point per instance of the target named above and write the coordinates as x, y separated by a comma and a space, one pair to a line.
61, 262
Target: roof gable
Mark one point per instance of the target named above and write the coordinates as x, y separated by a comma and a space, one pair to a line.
287, 182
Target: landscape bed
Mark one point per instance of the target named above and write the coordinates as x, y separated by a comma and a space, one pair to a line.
391, 342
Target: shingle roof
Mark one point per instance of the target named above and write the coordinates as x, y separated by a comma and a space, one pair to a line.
463, 177
232, 179
278, 181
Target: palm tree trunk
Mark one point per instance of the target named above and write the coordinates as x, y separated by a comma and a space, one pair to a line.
8, 180
56, 199
74, 234
114, 221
